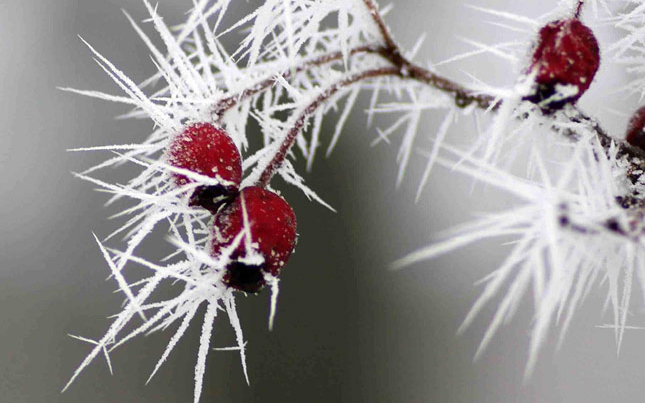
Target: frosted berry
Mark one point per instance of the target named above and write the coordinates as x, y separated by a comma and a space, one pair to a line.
564, 62
272, 225
207, 150
636, 129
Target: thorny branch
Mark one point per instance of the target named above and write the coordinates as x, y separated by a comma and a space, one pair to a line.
225, 104
464, 97
405, 69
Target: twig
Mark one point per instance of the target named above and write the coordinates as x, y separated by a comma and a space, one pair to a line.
405, 69
463, 96
385, 32
225, 104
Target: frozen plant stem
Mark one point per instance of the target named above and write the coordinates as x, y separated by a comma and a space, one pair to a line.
405, 69
229, 102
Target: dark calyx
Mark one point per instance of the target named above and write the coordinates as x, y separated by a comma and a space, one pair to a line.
212, 197
543, 92
244, 277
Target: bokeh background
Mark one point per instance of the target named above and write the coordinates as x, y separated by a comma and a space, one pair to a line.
348, 329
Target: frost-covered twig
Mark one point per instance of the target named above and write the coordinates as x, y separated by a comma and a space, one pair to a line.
409, 70
229, 102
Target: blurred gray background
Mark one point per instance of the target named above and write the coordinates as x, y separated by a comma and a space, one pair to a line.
348, 329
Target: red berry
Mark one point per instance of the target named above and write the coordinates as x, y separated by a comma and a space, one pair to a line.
207, 150
636, 129
272, 225
566, 54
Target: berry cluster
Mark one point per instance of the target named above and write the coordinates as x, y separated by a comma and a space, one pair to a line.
263, 219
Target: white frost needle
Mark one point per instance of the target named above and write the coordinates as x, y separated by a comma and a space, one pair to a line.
105, 351
174, 339
229, 302
204, 342
520, 19
438, 141
275, 290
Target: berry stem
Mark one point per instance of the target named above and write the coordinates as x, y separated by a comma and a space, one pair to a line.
579, 7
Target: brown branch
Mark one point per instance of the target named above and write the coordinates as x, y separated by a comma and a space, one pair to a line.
385, 32
225, 104
390, 51
463, 96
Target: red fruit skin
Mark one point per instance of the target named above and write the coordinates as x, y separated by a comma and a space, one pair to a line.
272, 224
207, 150
567, 53
636, 129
